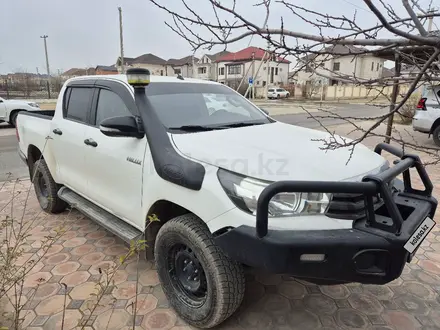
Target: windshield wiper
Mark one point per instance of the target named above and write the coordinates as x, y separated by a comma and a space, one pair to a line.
194, 128
241, 124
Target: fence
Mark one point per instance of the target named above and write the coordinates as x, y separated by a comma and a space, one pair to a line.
28, 88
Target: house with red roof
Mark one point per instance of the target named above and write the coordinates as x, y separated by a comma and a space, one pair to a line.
232, 67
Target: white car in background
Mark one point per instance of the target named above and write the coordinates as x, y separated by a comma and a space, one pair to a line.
427, 116
277, 93
9, 109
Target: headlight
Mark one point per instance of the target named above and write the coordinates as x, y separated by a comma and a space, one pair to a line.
34, 105
244, 193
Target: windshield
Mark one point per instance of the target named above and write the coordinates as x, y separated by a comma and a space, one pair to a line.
191, 104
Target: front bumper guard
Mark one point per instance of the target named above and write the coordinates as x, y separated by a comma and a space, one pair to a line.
370, 252
370, 186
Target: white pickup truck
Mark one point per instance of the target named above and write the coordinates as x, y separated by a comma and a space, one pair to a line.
230, 187
9, 109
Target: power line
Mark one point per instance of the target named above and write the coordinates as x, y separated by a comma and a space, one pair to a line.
351, 3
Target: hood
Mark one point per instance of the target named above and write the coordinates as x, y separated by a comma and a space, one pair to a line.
278, 151
19, 101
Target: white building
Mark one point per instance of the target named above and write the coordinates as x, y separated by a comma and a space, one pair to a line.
233, 67
207, 68
350, 62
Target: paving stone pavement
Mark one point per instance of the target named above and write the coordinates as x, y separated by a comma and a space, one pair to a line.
69, 271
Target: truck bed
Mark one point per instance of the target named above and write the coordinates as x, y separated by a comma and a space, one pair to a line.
43, 114
33, 128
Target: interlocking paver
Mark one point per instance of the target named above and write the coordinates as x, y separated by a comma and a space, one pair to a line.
86, 253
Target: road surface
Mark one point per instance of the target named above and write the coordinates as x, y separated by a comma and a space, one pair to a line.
12, 167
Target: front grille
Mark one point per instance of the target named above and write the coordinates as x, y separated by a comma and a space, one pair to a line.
350, 206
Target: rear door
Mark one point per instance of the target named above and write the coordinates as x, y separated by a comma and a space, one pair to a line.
114, 165
67, 132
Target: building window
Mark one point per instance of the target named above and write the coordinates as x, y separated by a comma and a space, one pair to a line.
234, 69
221, 71
377, 67
336, 66
177, 71
372, 66
161, 72
201, 70
276, 71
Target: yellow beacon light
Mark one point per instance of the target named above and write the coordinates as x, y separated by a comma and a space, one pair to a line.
138, 77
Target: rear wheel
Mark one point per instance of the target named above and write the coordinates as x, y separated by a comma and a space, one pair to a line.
46, 188
202, 285
436, 135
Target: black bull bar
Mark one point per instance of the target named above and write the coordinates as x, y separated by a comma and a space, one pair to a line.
370, 186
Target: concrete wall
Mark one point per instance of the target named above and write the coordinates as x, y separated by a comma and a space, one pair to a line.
356, 92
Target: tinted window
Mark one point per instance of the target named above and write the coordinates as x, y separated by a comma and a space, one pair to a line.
270, 90
79, 102
110, 105
179, 104
280, 90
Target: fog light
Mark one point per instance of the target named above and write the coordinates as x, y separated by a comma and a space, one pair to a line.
312, 257
138, 77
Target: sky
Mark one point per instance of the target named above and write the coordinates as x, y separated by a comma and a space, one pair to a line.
85, 33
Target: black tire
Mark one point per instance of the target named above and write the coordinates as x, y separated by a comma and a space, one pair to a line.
46, 188
436, 136
13, 118
278, 96
217, 290
287, 95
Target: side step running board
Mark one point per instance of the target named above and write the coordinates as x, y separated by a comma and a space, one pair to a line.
110, 222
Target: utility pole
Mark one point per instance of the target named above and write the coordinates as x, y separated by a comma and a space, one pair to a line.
269, 57
121, 40
193, 67
44, 37
430, 19
253, 76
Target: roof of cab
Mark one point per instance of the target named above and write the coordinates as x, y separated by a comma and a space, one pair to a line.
153, 79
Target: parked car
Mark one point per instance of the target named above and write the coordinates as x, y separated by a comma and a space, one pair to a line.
229, 186
9, 109
427, 116
277, 93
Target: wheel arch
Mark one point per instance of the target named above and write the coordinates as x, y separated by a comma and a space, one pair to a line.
33, 154
12, 113
164, 210
434, 125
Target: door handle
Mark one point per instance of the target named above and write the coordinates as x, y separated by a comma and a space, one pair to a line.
57, 131
91, 142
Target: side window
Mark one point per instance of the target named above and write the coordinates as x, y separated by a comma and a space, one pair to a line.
79, 103
110, 105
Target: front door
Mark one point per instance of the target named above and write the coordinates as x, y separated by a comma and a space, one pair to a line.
114, 164
67, 133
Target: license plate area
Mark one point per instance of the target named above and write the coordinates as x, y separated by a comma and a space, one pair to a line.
419, 235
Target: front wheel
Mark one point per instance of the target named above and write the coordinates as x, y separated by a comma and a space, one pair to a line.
201, 283
436, 136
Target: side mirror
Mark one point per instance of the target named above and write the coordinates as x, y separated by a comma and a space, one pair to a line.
123, 126
265, 111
